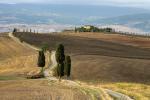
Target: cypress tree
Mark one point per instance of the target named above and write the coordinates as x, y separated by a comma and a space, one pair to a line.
15, 30
67, 66
60, 70
60, 57
41, 60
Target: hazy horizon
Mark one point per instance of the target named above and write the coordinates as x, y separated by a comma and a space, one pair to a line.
128, 3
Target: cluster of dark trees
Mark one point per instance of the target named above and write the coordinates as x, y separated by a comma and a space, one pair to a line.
24, 30
63, 62
93, 29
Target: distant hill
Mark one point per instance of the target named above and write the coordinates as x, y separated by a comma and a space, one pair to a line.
61, 14
140, 21
74, 15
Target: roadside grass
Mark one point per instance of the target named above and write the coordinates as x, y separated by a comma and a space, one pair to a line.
5, 78
96, 93
92, 93
134, 90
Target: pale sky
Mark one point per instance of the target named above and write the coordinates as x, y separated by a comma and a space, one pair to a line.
134, 3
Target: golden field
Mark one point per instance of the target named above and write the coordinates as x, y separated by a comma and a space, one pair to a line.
37, 90
16, 59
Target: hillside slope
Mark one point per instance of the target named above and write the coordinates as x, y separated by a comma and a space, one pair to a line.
99, 60
16, 59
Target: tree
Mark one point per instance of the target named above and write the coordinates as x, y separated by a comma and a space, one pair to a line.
15, 30
41, 60
60, 70
67, 66
60, 57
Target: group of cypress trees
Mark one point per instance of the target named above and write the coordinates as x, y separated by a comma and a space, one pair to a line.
63, 62
25, 30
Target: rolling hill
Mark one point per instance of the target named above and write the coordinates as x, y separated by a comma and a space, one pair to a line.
16, 62
139, 21
103, 60
14, 58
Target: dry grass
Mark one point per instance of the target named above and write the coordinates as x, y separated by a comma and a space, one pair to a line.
16, 59
19, 66
134, 90
10, 49
37, 90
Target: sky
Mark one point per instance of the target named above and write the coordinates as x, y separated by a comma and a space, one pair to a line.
132, 3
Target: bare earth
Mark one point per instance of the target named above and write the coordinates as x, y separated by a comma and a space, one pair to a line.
116, 38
